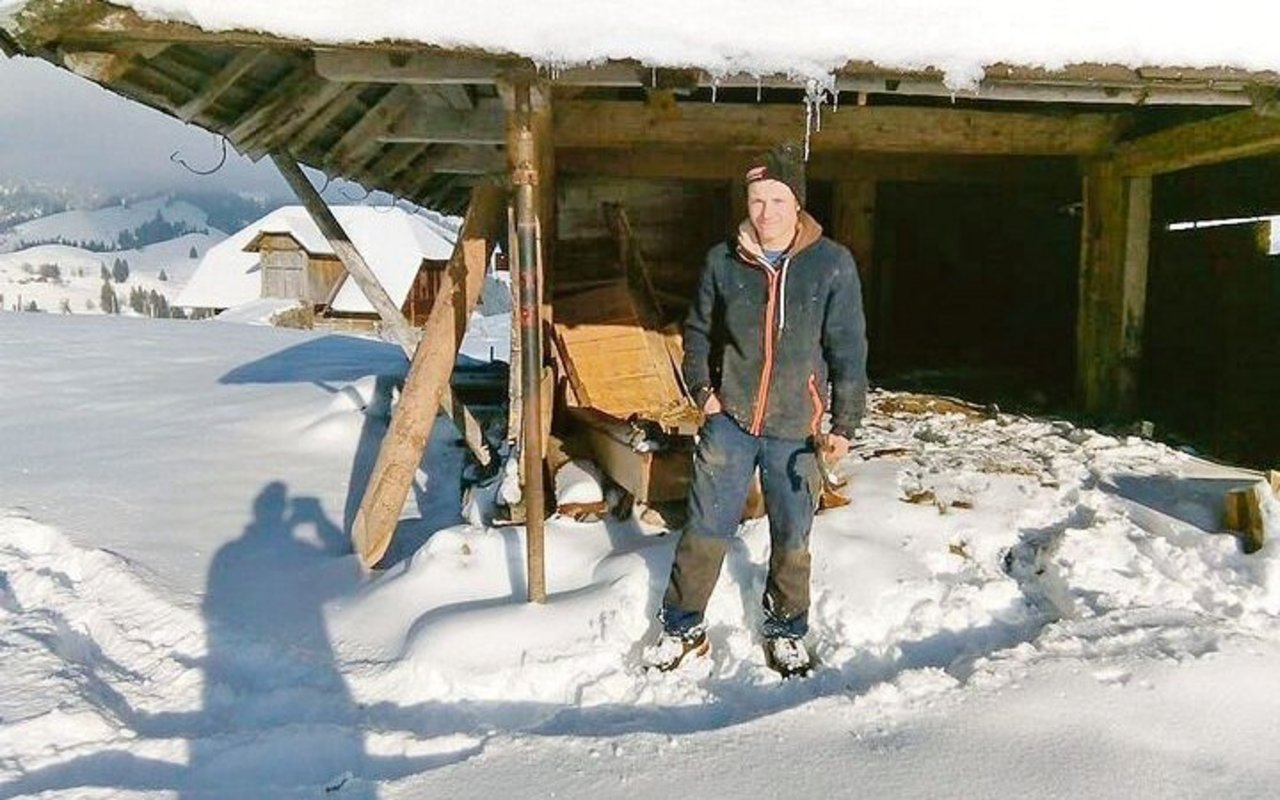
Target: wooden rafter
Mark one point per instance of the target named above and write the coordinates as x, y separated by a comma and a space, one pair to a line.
1239, 134
277, 105
483, 124
880, 129
327, 104
363, 136
235, 69
703, 163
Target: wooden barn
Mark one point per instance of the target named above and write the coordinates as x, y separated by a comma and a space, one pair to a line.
1018, 225
283, 256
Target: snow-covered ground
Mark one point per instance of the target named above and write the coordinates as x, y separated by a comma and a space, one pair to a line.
1056, 616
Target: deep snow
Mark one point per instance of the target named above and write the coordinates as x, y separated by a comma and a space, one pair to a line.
180, 615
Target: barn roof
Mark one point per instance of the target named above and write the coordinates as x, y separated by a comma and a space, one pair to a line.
395, 98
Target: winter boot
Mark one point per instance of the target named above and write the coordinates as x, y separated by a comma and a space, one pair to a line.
670, 649
788, 656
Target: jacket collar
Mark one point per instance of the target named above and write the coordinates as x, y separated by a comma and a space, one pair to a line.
808, 231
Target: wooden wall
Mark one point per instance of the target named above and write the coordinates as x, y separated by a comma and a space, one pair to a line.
1211, 372
676, 222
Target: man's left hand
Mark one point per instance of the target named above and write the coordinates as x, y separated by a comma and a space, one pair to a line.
835, 447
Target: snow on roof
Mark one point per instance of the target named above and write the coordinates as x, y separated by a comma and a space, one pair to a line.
809, 38
393, 241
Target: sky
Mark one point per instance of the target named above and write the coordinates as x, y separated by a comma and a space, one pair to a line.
58, 128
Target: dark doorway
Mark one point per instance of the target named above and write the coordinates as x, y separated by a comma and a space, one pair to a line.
977, 291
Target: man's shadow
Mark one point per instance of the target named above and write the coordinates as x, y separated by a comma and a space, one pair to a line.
276, 713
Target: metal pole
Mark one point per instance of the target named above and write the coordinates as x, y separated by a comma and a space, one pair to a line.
525, 178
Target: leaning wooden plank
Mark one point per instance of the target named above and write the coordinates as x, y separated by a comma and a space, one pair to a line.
428, 378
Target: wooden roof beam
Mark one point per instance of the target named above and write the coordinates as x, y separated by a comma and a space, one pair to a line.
276, 106
363, 136
866, 128
239, 66
1239, 134
718, 164
485, 124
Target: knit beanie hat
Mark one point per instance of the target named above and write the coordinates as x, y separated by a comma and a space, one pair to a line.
783, 162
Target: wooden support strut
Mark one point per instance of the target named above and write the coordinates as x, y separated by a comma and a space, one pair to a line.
428, 378
396, 324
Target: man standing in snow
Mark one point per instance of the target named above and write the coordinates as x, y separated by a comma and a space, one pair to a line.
777, 318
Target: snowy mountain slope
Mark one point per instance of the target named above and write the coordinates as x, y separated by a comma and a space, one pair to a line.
1055, 616
101, 228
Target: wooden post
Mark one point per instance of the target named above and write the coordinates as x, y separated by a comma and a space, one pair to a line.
399, 327
428, 378
531, 165
1114, 250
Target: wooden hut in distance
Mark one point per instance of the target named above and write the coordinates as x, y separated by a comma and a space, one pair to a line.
1017, 219
283, 256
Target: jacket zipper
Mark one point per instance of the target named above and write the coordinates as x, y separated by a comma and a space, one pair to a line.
766, 371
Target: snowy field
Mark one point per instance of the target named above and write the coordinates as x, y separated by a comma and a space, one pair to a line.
1056, 615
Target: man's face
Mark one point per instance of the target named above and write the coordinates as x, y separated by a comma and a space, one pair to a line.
773, 211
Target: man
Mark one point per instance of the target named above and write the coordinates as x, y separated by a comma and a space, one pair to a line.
777, 318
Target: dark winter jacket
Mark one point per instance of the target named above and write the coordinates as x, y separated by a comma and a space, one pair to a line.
768, 340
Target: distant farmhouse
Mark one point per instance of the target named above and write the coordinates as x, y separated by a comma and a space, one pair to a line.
284, 257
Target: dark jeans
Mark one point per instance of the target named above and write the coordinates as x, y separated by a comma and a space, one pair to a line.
724, 463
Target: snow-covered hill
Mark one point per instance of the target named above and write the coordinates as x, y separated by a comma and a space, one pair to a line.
27, 270
102, 229
1055, 615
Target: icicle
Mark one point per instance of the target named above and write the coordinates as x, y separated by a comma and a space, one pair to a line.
653, 77
759, 88
808, 124
814, 96
715, 86
835, 101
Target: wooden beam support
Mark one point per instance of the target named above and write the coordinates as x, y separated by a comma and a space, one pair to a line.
887, 129
239, 66
364, 135
440, 67
461, 159
703, 163
318, 112
1239, 134
485, 124
1113, 286
278, 105
428, 379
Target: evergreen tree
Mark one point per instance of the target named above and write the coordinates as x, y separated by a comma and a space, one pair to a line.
106, 273
107, 298
120, 270
162, 276
193, 254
